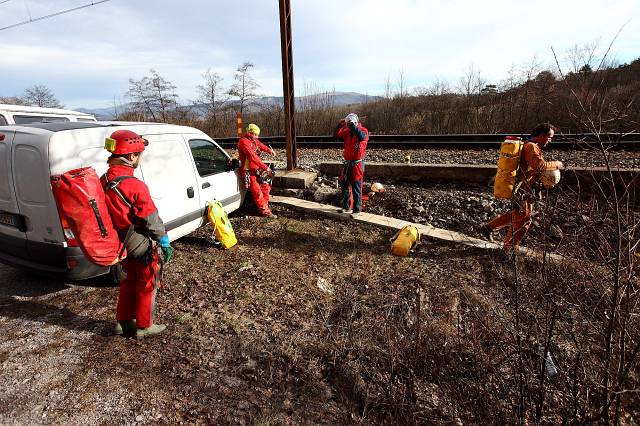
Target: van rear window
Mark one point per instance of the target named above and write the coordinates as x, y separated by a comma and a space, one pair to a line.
3, 120
28, 119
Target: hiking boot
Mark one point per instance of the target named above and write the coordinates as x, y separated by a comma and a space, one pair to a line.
141, 333
347, 211
486, 231
124, 327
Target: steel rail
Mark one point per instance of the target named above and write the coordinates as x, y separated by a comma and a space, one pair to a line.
482, 141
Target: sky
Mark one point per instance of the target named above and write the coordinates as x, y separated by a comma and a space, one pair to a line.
87, 57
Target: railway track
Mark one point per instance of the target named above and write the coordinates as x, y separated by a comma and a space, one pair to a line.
609, 140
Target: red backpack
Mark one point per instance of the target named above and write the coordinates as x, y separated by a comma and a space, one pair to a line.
81, 201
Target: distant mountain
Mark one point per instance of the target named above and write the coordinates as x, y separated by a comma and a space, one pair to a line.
303, 102
99, 113
328, 98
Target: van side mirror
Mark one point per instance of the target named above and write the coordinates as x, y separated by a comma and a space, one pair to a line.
233, 164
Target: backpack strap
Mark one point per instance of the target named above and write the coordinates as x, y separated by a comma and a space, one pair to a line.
113, 185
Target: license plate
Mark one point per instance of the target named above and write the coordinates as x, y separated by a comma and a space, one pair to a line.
9, 219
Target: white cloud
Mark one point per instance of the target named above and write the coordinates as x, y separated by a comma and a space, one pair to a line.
350, 45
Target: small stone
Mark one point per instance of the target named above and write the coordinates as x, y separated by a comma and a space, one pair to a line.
139, 418
556, 232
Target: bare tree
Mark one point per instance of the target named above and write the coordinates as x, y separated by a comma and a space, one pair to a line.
244, 86
211, 95
42, 96
152, 96
12, 100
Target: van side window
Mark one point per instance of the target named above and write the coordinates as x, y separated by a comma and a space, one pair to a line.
87, 119
3, 120
28, 119
209, 158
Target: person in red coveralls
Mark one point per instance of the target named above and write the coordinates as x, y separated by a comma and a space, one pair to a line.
532, 163
136, 219
257, 174
355, 137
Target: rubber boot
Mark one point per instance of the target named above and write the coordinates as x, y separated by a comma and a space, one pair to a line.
141, 333
124, 327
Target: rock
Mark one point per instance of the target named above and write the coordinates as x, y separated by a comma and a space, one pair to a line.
323, 194
139, 418
324, 285
556, 232
487, 206
420, 209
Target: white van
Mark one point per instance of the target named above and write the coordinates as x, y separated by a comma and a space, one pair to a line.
20, 114
182, 166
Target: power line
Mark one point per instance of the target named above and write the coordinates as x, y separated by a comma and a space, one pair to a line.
93, 3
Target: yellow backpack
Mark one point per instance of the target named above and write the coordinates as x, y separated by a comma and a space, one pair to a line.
222, 229
508, 164
404, 240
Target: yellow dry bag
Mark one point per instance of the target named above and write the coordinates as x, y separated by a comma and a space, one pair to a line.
508, 163
222, 229
405, 240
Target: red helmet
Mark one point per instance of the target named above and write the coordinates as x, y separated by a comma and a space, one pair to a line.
124, 142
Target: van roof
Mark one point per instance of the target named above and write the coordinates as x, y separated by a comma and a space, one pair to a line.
65, 125
138, 127
40, 110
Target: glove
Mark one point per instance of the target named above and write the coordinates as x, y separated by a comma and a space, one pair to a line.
164, 241
167, 253
167, 250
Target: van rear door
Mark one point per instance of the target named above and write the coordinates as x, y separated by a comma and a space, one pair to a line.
31, 180
13, 239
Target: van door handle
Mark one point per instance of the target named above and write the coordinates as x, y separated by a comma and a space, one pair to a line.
190, 192
206, 185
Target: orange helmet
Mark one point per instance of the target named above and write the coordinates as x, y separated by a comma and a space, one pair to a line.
124, 142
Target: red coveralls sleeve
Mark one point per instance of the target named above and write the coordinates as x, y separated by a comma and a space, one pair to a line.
246, 148
146, 213
343, 132
262, 147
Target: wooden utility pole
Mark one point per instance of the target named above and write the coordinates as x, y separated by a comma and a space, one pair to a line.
287, 82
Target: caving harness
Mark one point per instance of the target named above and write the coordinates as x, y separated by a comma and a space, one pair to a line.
141, 247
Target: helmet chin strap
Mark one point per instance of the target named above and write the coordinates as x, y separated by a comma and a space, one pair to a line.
128, 162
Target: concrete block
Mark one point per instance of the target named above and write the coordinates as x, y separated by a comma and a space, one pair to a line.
296, 179
393, 223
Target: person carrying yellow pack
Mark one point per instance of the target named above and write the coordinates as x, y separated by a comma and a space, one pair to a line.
222, 230
531, 165
405, 240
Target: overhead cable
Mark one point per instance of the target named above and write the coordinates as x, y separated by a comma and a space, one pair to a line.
93, 3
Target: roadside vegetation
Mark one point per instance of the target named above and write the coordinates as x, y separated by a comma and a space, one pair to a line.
528, 95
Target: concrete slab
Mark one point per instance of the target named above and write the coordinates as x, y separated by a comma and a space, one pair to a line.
296, 179
393, 223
